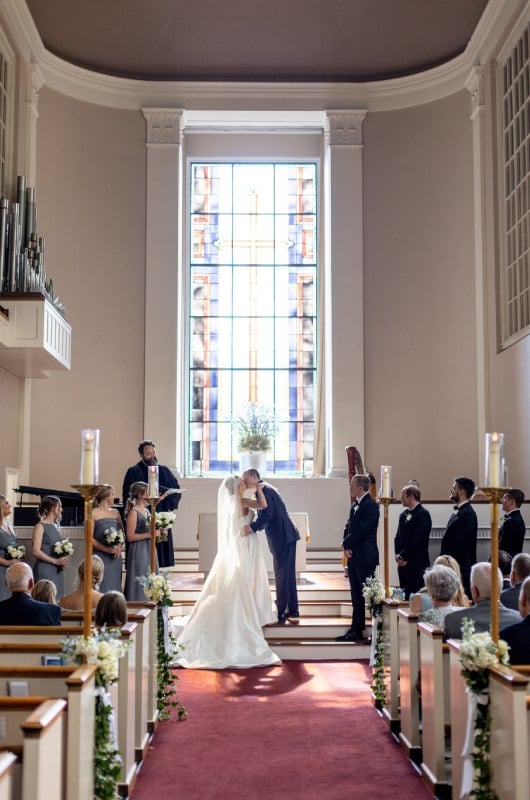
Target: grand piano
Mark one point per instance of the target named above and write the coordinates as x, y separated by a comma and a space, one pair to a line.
25, 513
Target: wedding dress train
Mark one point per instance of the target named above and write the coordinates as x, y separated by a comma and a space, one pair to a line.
224, 629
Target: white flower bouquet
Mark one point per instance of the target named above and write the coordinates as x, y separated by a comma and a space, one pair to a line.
104, 648
15, 550
113, 536
478, 651
63, 547
156, 588
374, 594
164, 519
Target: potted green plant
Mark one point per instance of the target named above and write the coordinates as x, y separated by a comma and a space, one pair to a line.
256, 427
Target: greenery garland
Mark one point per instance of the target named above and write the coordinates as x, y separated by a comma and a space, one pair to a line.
374, 594
477, 653
107, 759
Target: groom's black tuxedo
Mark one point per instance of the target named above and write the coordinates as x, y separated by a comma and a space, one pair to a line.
282, 536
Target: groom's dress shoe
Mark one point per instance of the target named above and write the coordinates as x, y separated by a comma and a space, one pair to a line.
350, 636
347, 637
281, 621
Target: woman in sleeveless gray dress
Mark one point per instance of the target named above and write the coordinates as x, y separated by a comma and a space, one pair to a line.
108, 538
138, 541
45, 535
7, 537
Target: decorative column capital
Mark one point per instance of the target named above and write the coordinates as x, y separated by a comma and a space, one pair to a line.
345, 127
475, 87
34, 83
163, 125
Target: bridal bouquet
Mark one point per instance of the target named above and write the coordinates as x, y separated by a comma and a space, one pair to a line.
478, 652
15, 550
113, 536
63, 547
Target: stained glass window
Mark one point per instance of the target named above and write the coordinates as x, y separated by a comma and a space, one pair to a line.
253, 309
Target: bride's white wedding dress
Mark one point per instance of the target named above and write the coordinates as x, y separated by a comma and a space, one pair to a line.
224, 629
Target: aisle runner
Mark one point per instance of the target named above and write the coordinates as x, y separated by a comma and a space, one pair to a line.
298, 731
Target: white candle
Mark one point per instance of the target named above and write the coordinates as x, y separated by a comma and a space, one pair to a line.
152, 485
386, 482
89, 472
494, 459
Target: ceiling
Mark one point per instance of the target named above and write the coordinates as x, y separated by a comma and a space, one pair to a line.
257, 40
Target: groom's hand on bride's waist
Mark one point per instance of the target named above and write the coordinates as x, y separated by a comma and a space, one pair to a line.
245, 531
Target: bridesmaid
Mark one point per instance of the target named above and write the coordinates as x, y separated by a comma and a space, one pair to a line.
45, 534
108, 526
7, 537
138, 540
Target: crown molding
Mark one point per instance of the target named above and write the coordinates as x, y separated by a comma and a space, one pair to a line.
127, 94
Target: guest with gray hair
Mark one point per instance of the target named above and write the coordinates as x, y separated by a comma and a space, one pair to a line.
520, 571
21, 608
480, 613
442, 583
518, 636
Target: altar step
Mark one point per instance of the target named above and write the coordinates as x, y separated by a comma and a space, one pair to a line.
317, 560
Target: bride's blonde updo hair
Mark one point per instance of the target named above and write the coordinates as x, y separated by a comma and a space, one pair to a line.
232, 484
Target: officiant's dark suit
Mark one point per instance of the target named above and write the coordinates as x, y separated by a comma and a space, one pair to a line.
166, 480
512, 530
282, 536
460, 537
411, 544
360, 538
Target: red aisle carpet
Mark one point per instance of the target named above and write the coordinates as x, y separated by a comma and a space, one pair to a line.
300, 731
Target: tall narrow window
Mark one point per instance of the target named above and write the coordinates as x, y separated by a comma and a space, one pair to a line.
253, 269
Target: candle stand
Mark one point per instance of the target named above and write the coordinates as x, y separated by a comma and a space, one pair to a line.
494, 495
385, 502
88, 491
152, 505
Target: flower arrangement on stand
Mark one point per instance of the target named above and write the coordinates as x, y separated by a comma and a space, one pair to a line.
256, 427
104, 648
374, 594
158, 589
478, 652
163, 521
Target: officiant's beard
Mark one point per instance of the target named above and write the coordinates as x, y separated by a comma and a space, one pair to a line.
151, 462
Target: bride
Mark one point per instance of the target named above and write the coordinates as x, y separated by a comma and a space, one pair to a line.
224, 629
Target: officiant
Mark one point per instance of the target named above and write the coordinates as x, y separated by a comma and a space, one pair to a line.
169, 494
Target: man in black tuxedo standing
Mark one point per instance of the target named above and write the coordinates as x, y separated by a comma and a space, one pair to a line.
282, 536
411, 544
21, 608
360, 545
513, 528
460, 537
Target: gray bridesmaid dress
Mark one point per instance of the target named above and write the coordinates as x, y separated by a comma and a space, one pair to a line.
42, 569
113, 566
138, 561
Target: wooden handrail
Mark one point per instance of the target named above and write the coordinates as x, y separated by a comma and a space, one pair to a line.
43, 716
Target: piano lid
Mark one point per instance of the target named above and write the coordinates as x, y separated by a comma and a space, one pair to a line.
67, 498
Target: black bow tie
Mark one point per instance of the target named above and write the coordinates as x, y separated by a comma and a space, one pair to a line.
455, 508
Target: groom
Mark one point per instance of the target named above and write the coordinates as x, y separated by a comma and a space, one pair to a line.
282, 536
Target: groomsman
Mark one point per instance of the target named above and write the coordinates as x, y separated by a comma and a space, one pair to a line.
411, 544
460, 537
360, 546
512, 531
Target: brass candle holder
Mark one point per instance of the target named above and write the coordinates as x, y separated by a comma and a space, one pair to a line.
88, 491
152, 505
385, 502
494, 495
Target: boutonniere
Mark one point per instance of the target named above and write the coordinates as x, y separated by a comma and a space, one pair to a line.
408, 517
455, 509
355, 507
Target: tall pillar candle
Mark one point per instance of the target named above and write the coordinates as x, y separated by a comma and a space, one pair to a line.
152, 484
386, 482
494, 459
89, 473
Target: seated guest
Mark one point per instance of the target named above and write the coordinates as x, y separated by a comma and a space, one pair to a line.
21, 608
45, 591
111, 611
512, 530
518, 636
442, 583
505, 566
480, 613
422, 600
520, 571
76, 600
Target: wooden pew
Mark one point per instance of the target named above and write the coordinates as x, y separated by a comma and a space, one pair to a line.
458, 695
75, 684
510, 739
123, 693
390, 627
35, 730
410, 735
7, 766
435, 704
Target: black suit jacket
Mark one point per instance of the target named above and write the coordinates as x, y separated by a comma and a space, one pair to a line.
511, 533
22, 609
460, 540
360, 532
275, 520
412, 537
518, 637
166, 480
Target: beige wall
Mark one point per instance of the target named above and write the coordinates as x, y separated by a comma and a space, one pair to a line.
9, 403
420, 344
91, 208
